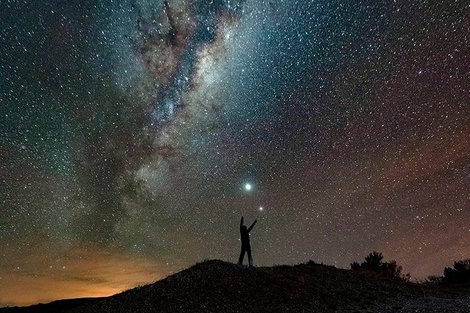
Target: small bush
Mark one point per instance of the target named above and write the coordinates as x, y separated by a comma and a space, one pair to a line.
373, 262
460, 273
435, 280
355, 266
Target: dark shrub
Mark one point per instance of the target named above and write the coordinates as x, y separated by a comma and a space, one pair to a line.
373, 262
355, 266
391, 269
459, 274
435, 279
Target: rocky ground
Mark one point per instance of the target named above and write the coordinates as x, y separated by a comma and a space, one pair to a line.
216, 286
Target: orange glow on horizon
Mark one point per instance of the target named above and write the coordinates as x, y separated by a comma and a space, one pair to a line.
89, 272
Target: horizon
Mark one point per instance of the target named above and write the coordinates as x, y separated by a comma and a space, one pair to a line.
109, 291
42, 291
134, 135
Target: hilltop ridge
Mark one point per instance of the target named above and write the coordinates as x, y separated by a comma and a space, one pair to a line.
218, 286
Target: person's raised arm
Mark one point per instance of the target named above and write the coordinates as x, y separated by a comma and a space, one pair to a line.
252, 225
241, 222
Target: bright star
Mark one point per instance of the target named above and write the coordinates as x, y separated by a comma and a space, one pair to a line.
261, 208
248, 187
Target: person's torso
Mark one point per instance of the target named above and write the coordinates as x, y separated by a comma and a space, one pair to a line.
245, 237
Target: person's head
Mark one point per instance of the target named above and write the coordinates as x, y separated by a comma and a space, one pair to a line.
244, 228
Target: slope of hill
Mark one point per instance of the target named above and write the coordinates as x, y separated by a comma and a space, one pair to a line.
216, 286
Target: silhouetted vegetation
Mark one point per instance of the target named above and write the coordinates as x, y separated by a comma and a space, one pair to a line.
355, 266
374, 262
460, 273
435, 279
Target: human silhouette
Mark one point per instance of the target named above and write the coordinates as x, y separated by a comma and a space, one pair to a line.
245, 237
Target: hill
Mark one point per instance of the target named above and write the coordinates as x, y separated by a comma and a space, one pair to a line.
217, 286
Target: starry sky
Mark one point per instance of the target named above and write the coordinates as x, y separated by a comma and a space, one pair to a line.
129, 129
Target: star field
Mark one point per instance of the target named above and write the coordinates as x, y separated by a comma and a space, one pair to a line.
133, 136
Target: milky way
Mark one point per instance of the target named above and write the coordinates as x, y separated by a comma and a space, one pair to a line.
128, 133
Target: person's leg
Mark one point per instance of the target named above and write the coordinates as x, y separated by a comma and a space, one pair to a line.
250, 259
242, 255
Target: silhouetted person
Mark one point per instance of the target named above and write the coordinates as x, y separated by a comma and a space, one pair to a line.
245, 236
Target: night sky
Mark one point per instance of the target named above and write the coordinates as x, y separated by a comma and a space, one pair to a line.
128, 130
